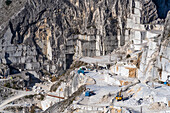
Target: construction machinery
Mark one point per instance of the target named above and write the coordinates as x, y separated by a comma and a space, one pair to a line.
119, 96
81, 71
89, 93
167, 81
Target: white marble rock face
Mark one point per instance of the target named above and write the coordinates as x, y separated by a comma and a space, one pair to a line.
45, 37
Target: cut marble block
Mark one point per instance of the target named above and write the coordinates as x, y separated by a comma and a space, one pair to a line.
164, 75
151, 34
138, 46
138, 5
152, 45
129, 23
150, 53
138, 35
136, 41
137, 12
136, 19
139, 27
126, 32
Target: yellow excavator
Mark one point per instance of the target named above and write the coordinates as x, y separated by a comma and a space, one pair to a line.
168, 80
119, 97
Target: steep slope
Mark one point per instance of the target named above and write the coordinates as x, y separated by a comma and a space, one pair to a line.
47, 35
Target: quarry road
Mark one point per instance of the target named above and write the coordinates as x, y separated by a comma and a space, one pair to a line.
19, 95
1, 80
104, 92
100, 89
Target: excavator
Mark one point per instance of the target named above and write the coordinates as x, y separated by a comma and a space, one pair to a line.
119, 96
168, 81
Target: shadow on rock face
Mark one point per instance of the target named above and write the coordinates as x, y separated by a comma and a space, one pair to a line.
32, 79
13, 70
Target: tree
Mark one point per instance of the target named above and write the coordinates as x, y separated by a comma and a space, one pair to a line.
8, 2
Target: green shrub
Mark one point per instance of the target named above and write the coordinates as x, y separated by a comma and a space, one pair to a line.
8, 2
7, 85
53, 79
32, 109
128, 56
29, 96
42, 97
19, 108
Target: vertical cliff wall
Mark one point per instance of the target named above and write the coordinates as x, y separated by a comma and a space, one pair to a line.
45, 35
149, 12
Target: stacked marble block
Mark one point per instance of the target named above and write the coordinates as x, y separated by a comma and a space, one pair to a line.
163, 62
136, 31
144, 40
19, 56
152, 45
137, 12
160, 68
134, 21
90, 45
149, 53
